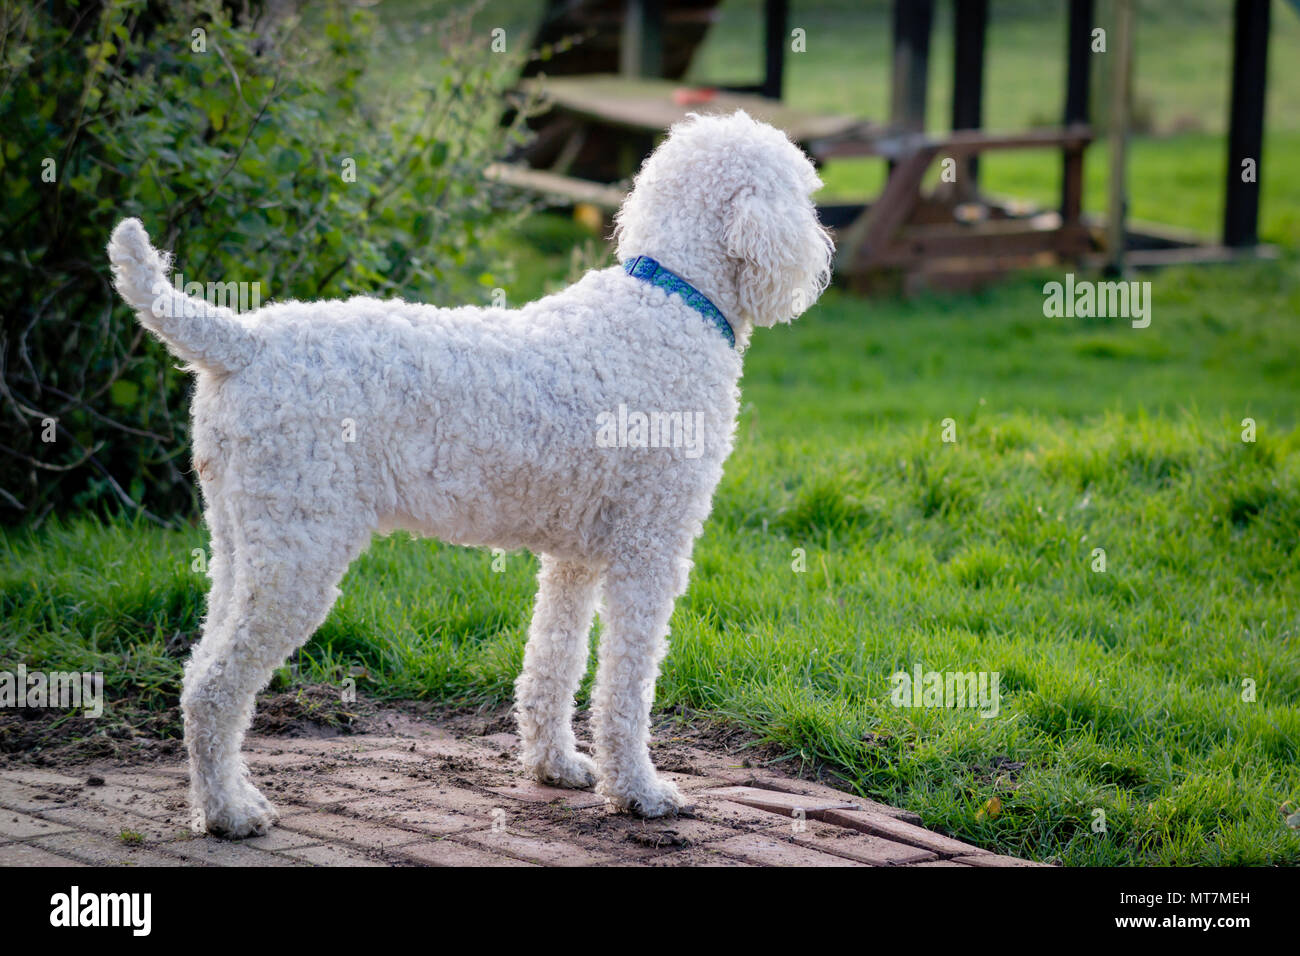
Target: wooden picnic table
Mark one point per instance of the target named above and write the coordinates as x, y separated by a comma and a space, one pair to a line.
599, 127
651, 106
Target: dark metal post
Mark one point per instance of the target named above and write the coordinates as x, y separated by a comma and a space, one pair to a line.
1121, 73
1246, 121
641, 52
776, 37
1078, 53
912, 22
970, 24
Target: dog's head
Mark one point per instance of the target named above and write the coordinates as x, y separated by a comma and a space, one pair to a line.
729, 198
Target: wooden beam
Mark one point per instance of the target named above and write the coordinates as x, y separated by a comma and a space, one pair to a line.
1246, 121
876, 227
958, 145
970, 25
913, 248
647, 105
568, 188
775, 38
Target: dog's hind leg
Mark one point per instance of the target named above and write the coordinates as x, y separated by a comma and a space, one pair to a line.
285, 577
554, 662
639, 592
222, 604
221, 575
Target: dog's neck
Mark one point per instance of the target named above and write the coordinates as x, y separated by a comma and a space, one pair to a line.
713, 277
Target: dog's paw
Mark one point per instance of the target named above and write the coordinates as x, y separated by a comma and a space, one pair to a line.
656, 798
574, 770
246, 814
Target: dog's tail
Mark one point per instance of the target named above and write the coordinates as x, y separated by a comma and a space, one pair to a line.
205, 336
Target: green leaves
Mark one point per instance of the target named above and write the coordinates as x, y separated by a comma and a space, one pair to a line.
268, 156
124, 393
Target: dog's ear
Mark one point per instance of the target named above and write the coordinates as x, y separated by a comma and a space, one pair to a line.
782, 254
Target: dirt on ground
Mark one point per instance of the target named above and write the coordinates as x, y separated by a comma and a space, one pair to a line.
44, 737
48, 738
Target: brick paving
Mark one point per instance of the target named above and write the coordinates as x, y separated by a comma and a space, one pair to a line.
437, 799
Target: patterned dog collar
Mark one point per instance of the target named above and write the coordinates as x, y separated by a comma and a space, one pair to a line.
643, 267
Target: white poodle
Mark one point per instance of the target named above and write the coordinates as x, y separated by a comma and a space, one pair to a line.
589, 427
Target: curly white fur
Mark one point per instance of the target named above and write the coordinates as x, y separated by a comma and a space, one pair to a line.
479, 426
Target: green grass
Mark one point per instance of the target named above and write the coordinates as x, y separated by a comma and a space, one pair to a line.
1121, 691
1183, 55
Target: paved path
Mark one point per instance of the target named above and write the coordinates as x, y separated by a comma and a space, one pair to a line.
437, 799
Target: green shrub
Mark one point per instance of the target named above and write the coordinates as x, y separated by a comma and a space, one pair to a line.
235, 141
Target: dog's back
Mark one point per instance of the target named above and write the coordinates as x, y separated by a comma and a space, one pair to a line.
545, 427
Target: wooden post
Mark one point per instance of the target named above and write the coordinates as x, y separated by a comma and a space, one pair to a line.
970, 23
1246, 121
641, 50
913, 20
775, 38
1078, 53
1121, 63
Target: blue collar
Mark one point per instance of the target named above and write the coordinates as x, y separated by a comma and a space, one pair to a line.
643, 267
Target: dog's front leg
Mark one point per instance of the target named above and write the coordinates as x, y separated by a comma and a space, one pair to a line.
554, 662
639, 598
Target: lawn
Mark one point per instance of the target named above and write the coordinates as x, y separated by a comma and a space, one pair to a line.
1150, 712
